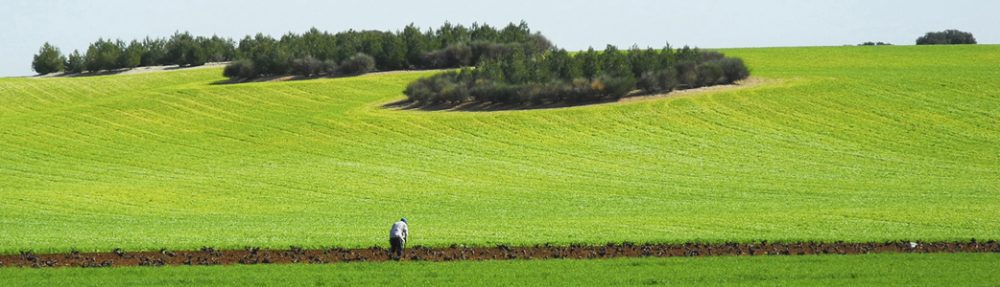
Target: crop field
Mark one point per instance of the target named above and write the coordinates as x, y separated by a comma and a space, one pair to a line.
851, 144
830, 270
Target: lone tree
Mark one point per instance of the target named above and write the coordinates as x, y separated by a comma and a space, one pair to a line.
48, 60
947, 37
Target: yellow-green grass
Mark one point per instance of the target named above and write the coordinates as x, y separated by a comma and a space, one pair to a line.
838, 143
826, 270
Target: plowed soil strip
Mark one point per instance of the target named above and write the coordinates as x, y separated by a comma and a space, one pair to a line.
209, 256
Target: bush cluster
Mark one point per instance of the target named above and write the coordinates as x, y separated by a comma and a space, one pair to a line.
107, 55
947, 37
556, 77
315, 53
875, 44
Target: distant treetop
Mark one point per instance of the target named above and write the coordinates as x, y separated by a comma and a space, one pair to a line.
947, 37
875, 44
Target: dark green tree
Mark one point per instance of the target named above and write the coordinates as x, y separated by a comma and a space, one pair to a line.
48, 60
217, 49
416, 44
75, 63
947, 37
394, 53
484, 33
615, 63
103, 55
185, 50
131, 55
590, 65
154, 52
562, 65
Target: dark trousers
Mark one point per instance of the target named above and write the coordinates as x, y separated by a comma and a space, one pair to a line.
396, 247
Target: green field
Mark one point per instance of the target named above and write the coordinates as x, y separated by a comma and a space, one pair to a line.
838, 143
832, 270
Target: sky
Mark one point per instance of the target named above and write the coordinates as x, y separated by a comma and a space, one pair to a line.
573, 25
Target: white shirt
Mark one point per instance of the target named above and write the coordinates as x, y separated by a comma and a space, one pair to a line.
399, 229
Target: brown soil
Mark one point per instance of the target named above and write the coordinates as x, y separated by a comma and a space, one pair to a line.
209, 256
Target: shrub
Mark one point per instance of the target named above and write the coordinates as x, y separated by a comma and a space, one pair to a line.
307, 67
658, 81
875, 44
241, 69
457, 55
947, 37
356, 65
734, 70
687, 75
615, 87
710, 73
330, 67
48, 60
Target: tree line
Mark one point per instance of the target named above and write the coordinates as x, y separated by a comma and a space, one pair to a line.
316, 53
313, 53
558, 77
181, 49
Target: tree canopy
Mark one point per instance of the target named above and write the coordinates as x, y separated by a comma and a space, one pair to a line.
48, 60
947, 37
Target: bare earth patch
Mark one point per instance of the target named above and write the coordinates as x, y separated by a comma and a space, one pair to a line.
210, 256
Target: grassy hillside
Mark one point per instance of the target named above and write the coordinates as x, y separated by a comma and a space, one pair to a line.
842, 143
832, 270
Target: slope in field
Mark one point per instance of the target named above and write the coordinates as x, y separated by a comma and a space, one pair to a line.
851, 143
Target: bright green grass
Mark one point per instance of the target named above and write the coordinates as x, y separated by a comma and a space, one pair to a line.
840, 143
834, 270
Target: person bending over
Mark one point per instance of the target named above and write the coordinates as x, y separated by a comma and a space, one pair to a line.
397, 238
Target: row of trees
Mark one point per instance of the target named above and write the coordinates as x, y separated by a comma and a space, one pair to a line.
558, 77
947, 37
310, 54
107, 55
316, 53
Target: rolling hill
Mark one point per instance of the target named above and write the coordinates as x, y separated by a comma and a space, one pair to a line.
834, 143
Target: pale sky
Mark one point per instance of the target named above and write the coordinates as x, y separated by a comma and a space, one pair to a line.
574, 25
